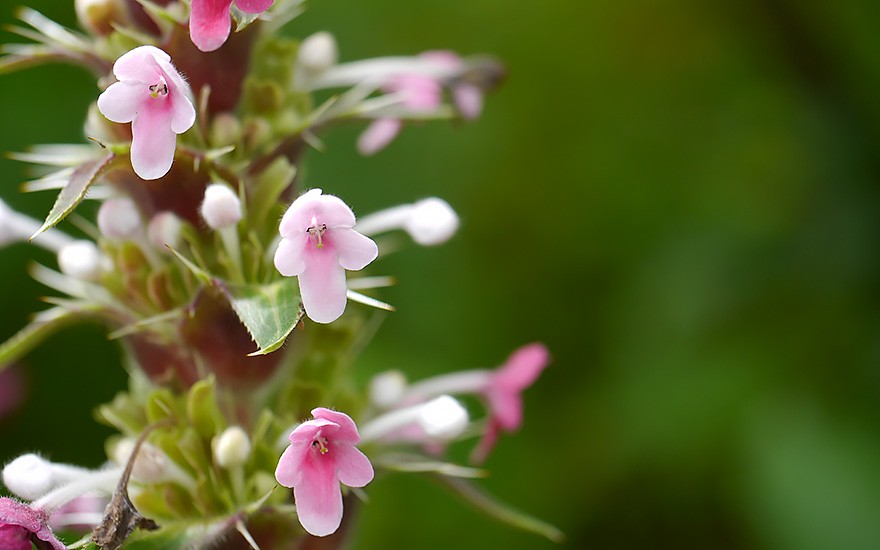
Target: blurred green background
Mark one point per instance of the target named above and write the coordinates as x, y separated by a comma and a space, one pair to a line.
680, 198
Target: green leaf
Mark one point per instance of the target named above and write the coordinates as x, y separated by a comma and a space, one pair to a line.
487, 504
200, 273
44, 325
272, 182
75, 191
269, 312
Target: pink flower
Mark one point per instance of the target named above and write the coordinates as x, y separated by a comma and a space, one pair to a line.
155, 98
421, 93
504, 394
209, 20
501, 389
318, 244
322, 454
20, 524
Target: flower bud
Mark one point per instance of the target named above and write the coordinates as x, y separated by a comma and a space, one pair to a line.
225, 130
387, 388
97, 16
431, 222
164, 229
150, 465
443, 418
221, 207
82, 260
232, 447
119, 219
317, 53
29, 476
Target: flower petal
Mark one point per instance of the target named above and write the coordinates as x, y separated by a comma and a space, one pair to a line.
355, 251
13, 537
152, 141
289, 257
289, 470
122, 101
506, 407
322, 286
468, 99
318, 496
352, 466
348, 431
312, 208
486, 444
209, 23
140, 64
253, 6
523, 367
378, 135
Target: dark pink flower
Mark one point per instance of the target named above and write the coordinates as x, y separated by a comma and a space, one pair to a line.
322, 454
209, 20
21, 524
153, 96
318, 244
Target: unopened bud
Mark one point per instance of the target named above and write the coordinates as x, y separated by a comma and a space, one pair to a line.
221, 207
150, 465
387, 388
119, 219
97, 16
29, 476
318, 52
164, 230
82, 260
225, 130
431, 222
443, 418
232, 447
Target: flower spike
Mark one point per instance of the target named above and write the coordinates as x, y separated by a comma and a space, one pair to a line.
155, 98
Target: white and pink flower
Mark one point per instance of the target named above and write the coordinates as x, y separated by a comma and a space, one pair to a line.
318, 245
322, 454
155, 98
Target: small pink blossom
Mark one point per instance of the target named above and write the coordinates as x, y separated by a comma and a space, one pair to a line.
20, 523
209, 20
318, 244
155, 98
322, 454
503, 393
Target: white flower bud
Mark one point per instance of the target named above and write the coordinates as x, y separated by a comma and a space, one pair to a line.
150, 465
443, 418
317, 53
119, 219
221, 207
29, 476
431, 222
232, 447
82, 260
164, 229
387, 388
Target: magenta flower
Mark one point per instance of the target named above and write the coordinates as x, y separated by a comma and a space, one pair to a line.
209, 21
21, 524
322, 454
318, 244
155, 98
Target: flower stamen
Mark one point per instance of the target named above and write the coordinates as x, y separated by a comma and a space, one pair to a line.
159, 89
318, 232
321, 443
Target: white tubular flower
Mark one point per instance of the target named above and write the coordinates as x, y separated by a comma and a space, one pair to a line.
232, 447
119, 220
429, 221
82, 260
387, 388
440, 419
31, 476
221, 207
17, 227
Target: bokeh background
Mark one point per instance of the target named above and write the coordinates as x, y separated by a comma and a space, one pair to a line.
680, 198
